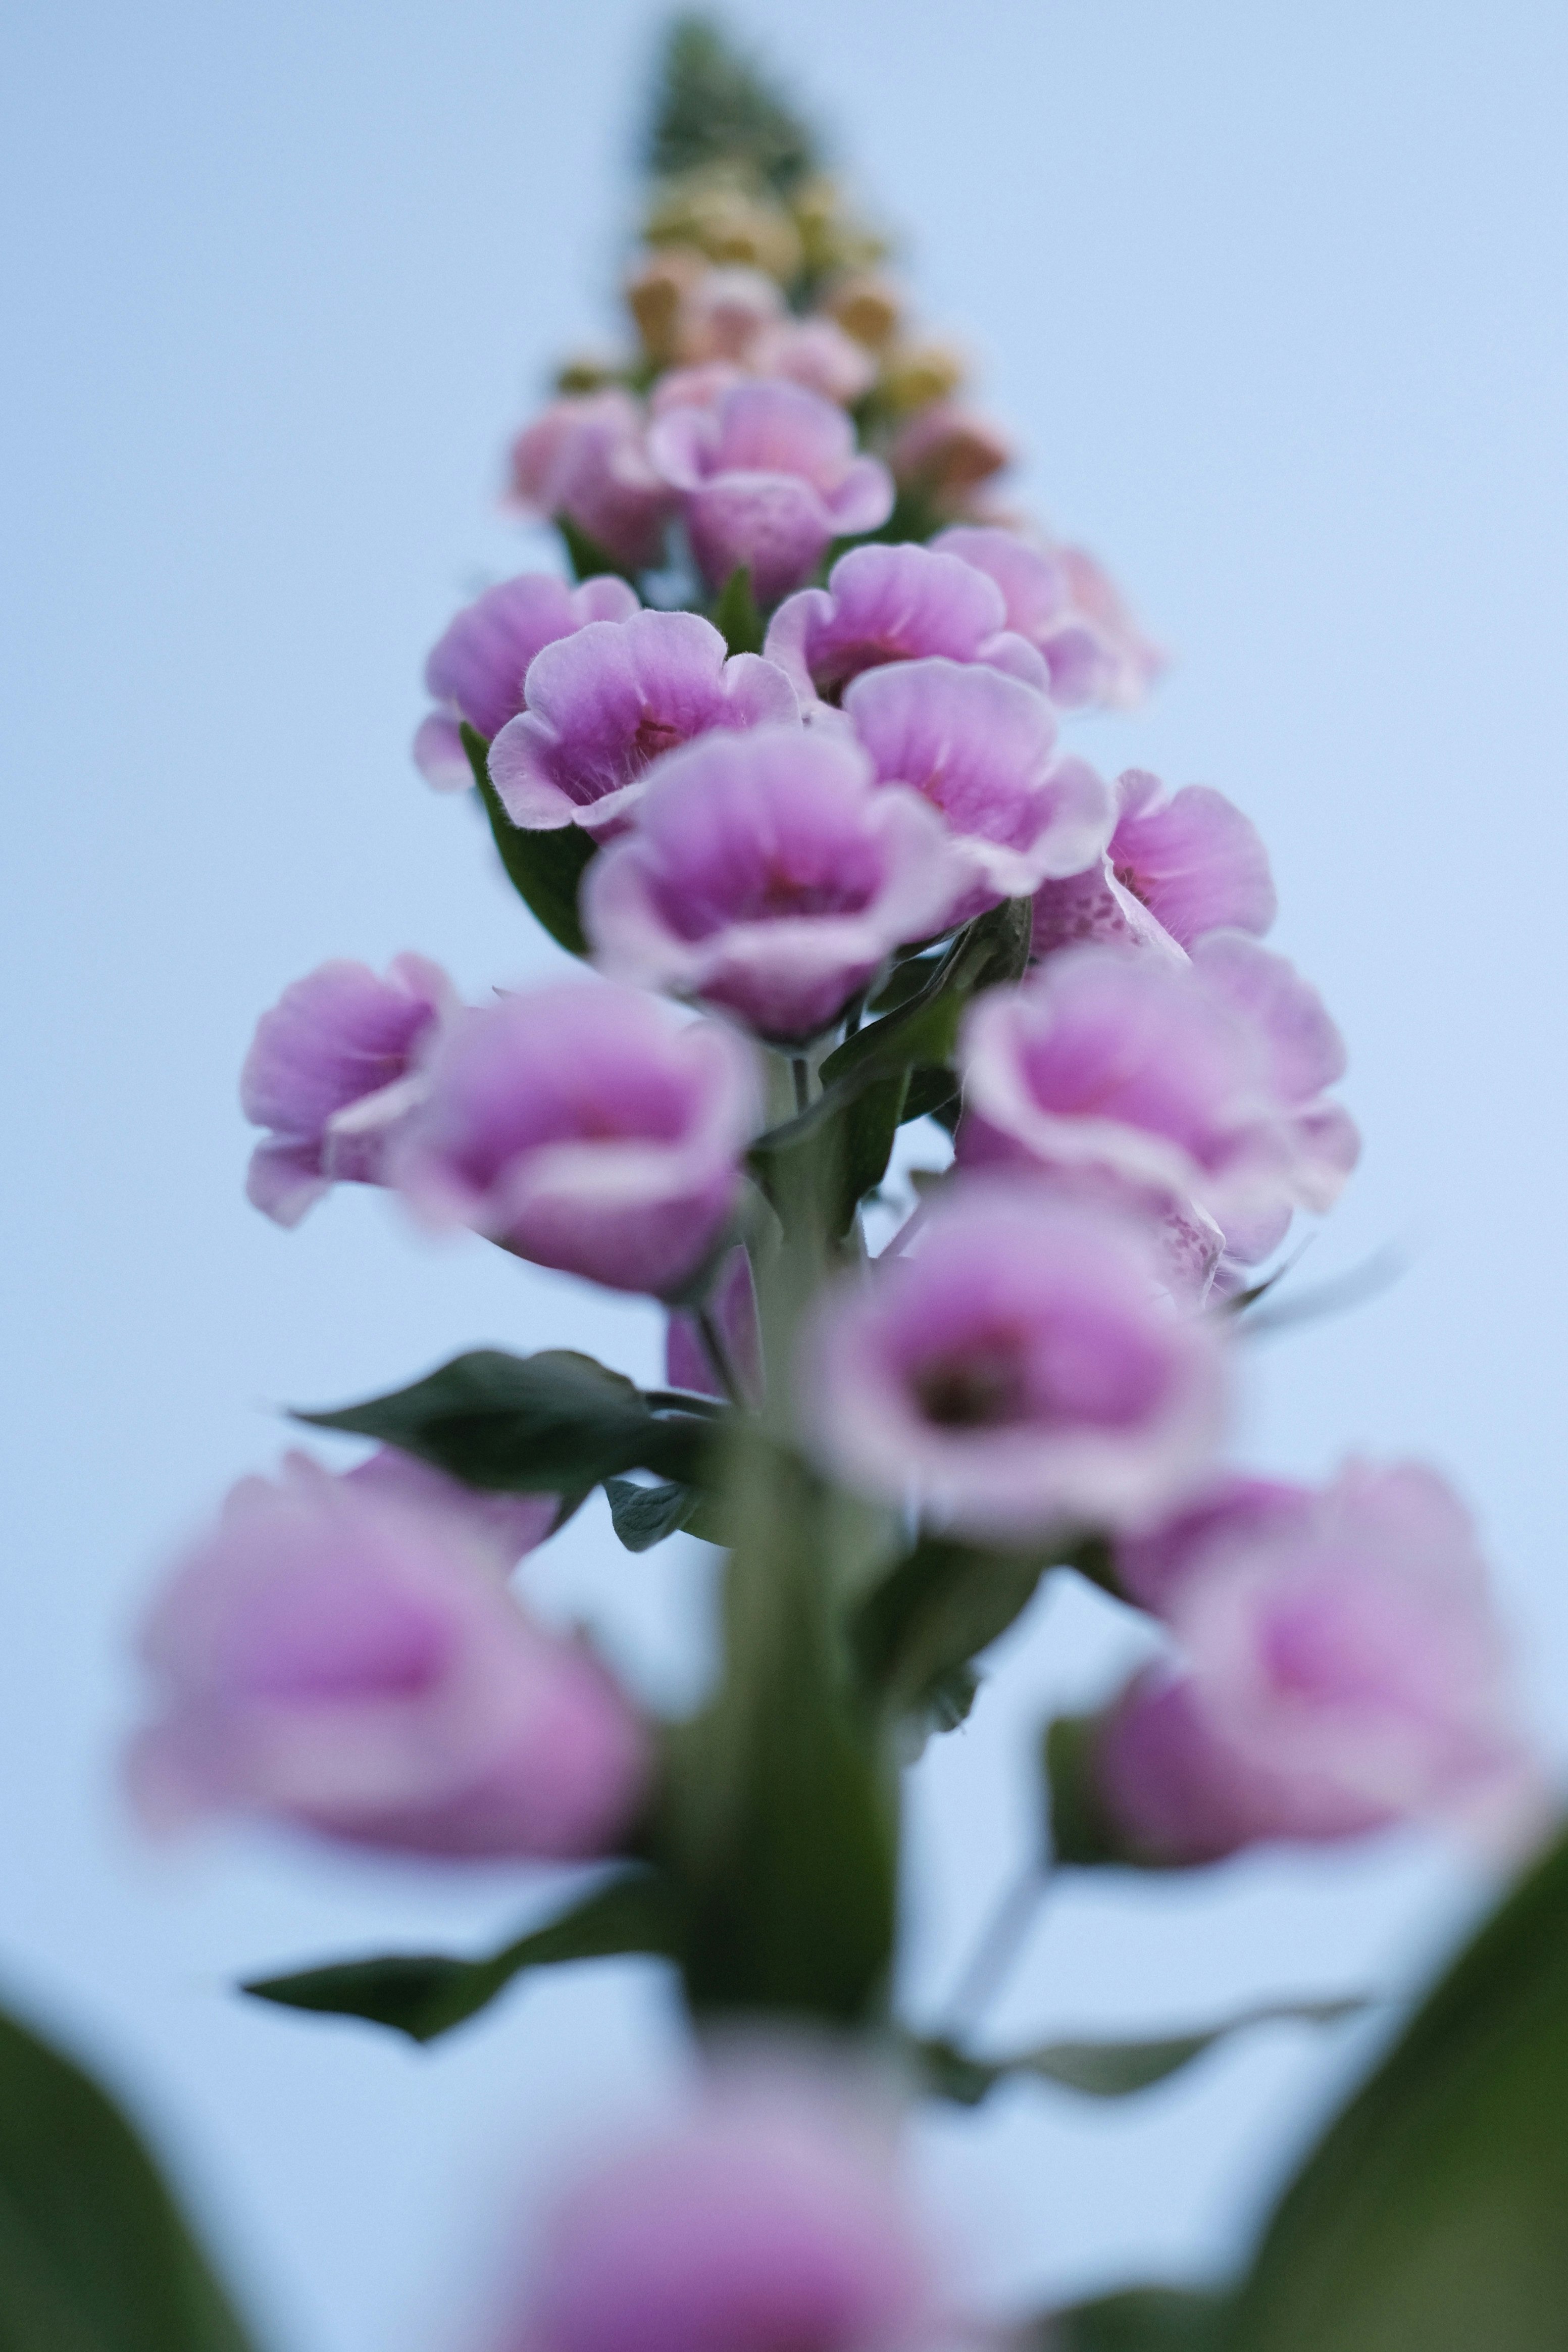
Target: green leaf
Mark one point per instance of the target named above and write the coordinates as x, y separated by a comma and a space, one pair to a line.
942, 1604
988, 953
549, 1423
781, 1821
425, 1994
1080, 1833
644, 1516
817, 1167
1112, 2070
1434, 2213
1143, 2319
713, 104
544, 868
588, 560
734, 614
94, 2254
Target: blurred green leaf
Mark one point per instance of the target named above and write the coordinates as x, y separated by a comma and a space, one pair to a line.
715, 104
780, 1823
1434, 2215
1080, 1834
1112, 2070
943, 1604
1143, 2319
734, 614
547, 1423
644, 1516
425, 1994
544, 868
94, 2255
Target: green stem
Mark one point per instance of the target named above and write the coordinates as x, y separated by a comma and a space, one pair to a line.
997, 1952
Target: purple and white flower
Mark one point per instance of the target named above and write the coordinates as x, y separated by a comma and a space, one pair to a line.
767, 477
893, 605
980, 747
332, 1071
584, 1127
1174, 871
587, 457
602, 705
772, 875
476, 669
1195, 1092
1017, 1372
772, 2219
1341, 1668
339, 1655
1060, 599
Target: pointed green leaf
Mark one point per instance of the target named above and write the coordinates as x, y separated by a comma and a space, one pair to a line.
644, 1516
425, 1994
1435, 2212
549, 1423
1112, 2070
94, 2254
544, 868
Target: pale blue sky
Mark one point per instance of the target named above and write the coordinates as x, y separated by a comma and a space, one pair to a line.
1276, 298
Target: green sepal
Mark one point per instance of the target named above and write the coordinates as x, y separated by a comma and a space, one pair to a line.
989, 952
543, 868
549, 1423
734, 614
95, 2255
425, 1994
644, 1516
588, 560
1081, 1832
1111, 2070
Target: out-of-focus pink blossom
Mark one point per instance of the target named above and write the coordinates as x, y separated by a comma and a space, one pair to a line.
1176, 870
770, 874
584, 1127
1341, 1669
1017, 1372
893, 605
509, 1525
815, 353
980, 747
332, 1070
587, 457
1151, 1566
1194, 1091
722, 313
476, 671
1059, 599
946, 450
339, 1656
770, 2221
688, 1361
600, 705
768, 476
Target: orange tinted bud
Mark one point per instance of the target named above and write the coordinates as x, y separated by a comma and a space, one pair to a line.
655, 293
867, 307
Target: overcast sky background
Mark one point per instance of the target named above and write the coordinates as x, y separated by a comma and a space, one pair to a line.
1275, 297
